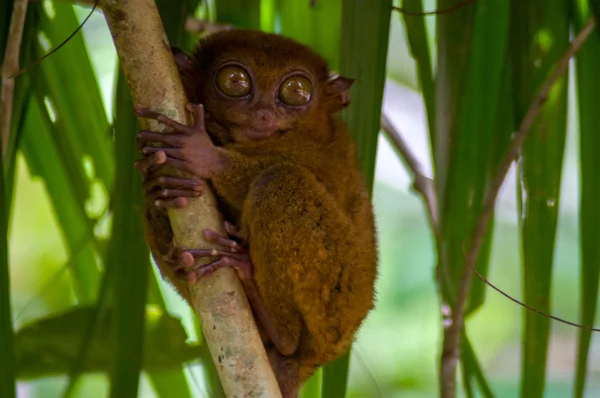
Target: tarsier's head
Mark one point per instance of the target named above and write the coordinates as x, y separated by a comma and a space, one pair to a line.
256, 85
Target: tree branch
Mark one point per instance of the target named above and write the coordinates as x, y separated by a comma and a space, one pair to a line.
421, 183
451, 345
218, 299
10, 66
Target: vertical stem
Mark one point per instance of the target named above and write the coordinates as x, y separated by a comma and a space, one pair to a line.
218, 299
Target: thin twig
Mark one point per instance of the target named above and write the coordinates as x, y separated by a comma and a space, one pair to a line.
65, 41
451, 346
434, 12
10, 66
421, 183
528, 307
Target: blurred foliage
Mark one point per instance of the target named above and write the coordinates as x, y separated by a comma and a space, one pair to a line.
90, 318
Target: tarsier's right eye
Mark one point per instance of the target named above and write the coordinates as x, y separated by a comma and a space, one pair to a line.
234, 81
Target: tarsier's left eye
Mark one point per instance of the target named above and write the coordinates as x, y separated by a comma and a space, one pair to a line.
234, 81
295, 91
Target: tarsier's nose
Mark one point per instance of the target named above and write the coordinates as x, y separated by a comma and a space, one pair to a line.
265, 116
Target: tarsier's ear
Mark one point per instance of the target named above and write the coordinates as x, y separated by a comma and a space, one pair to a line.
186, 68
338, 88
184, 63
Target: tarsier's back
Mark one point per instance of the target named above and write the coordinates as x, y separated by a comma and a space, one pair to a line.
288, 178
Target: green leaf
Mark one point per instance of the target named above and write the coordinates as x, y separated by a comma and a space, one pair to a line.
363, 56
588, 87
68, 79
472, 368
127, 253
595, 7
174, 20
472, 50
503, 127
335, 377
44, 160
317, 26
242, 13
312, 388
49, 345
539, 38
416, 33
93, 320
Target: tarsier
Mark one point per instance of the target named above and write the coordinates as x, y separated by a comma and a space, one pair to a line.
301, 233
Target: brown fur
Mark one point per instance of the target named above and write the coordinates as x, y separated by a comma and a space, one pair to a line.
298, 197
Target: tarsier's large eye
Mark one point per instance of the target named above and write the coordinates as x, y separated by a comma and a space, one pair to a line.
295, 91
234, 81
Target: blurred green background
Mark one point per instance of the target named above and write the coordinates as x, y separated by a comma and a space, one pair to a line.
396, 353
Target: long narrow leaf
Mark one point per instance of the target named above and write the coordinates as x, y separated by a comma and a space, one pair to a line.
588, 87
66, 75
243, 13
363, 56
416, 33
318, 26
43, 159
539, 38
128, 254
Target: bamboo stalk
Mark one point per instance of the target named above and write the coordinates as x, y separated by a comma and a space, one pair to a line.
10, 66
218, 299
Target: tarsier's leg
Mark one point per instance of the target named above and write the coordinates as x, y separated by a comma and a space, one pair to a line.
307, 251
235, 257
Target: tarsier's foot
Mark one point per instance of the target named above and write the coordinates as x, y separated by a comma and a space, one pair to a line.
235, 256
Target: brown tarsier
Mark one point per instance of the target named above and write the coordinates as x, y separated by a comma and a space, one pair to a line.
300, 222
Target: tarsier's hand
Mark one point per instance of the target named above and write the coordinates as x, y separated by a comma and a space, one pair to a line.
187, 148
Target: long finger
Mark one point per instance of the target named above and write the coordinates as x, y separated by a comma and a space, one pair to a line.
170, 152
173, 182
157, 158
148, 114
177, 203
170, 139
198, 111
170, 194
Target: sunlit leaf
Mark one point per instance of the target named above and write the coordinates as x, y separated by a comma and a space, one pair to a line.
43, 159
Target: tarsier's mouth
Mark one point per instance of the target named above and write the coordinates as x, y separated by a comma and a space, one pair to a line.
258, 134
